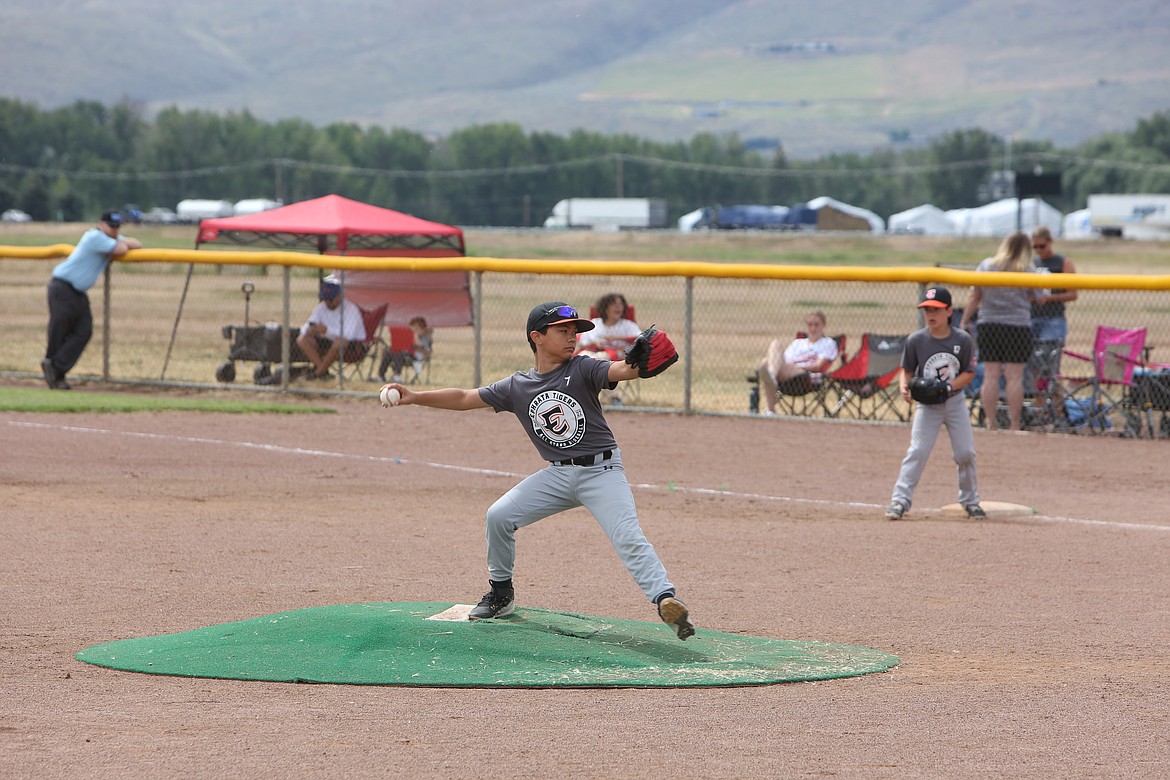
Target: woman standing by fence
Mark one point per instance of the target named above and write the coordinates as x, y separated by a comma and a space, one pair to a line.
1005, 328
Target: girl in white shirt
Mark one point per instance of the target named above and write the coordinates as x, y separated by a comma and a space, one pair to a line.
612, 333
810, 355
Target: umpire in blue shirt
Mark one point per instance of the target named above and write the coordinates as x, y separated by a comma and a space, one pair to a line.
70, 318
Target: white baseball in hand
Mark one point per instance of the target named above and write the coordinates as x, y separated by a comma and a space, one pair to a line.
390, 396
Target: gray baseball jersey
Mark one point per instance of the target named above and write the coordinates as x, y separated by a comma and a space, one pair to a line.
560, 410
945, 359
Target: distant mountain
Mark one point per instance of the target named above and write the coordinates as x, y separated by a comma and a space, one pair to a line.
836, 75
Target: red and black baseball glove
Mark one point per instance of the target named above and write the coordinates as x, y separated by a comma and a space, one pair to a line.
651, 353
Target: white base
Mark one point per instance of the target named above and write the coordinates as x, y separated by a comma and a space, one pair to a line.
992, 508
456, 612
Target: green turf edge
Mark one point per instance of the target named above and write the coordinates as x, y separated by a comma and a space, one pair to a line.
16, 399
391, 644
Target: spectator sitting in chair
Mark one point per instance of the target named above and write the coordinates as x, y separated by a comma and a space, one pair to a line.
320, 338
811, 355
420, 350
612, 333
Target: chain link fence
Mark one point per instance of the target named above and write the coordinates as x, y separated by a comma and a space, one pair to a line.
167, 322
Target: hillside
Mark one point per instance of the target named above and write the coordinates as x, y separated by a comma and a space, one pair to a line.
838, 75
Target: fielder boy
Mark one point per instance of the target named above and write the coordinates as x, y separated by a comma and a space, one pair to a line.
556, 402
937, 363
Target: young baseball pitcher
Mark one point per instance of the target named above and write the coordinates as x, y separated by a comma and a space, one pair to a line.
557, 405
937, 363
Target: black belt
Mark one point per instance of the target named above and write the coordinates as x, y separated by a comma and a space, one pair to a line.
585, 460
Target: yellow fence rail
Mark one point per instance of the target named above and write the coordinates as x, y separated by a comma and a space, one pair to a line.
722, 315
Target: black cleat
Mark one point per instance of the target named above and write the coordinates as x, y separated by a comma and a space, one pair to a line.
496, 603
975, 512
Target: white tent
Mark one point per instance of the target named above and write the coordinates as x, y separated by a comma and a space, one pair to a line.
999, 218
876, 223
687, 222
924, 220
1077, 225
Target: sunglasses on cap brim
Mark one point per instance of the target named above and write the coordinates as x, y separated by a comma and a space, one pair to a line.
562, 311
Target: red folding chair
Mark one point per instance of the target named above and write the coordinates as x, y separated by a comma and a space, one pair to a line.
368, 353
402, 353
866, 386
629, 391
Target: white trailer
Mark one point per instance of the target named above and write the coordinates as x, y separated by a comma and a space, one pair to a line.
193, 210
1131, 216
608, 213
255, 206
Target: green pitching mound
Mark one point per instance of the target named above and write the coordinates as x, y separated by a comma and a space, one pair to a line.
432, 644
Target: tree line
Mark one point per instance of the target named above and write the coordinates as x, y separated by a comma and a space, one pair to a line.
72, 162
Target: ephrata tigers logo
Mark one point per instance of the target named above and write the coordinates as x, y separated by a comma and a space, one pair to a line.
941, 365
557, 418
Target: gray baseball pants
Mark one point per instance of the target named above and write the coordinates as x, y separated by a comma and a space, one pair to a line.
602, 489
928, 419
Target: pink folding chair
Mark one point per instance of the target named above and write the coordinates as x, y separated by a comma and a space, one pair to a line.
1093, 400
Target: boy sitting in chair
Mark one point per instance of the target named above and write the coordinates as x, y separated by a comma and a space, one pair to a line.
416, 357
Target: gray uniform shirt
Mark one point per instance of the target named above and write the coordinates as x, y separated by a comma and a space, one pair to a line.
559, 410
944, 359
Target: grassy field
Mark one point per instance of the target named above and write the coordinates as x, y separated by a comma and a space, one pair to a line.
41, 399
1091, 256
1094, 256
733, 319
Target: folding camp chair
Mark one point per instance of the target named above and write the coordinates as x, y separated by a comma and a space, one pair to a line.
1108, 388
1043, 392
1151, 391
630, 391
402, 353
866, 386
372, 319
804, 394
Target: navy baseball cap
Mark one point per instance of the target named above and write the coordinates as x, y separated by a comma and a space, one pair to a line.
329, 290
556, 313
112, 218
936, 298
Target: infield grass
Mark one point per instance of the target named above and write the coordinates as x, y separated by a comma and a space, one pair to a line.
18, 399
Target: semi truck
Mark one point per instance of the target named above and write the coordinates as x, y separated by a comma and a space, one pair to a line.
608, 214
1130, 216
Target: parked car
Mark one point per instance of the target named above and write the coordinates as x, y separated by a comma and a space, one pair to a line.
132, 214
160, 215
15, 215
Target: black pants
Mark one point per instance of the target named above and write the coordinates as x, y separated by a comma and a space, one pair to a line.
400, 360
70, 325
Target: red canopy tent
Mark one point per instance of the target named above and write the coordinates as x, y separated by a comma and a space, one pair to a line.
334, 225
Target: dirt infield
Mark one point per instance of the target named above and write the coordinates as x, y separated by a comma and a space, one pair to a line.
1030, 646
